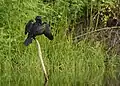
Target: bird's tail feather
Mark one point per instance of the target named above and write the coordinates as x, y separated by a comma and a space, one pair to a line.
28, 41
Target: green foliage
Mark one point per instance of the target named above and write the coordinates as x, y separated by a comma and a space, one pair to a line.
67, 64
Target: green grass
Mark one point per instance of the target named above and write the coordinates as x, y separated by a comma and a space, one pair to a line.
67, 64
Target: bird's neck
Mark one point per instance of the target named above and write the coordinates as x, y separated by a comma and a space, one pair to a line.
40, 22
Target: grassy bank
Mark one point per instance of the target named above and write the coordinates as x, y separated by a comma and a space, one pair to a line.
67, 64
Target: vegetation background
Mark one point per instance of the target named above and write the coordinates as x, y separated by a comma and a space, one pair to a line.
70, 60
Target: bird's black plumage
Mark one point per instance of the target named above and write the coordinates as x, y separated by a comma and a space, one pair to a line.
47, 32
37, 28
28, 26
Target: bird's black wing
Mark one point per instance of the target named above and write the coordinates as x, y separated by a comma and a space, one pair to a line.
28, 26
47, 31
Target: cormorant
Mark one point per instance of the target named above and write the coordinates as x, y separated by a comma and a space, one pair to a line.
37, 28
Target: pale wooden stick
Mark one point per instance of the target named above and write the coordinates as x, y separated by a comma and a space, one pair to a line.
42, 62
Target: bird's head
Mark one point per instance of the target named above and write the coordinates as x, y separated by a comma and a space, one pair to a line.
38, 19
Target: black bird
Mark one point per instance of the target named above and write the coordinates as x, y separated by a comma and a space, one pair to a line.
37, 28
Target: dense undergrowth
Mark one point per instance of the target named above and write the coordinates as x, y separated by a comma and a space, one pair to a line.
67, 63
